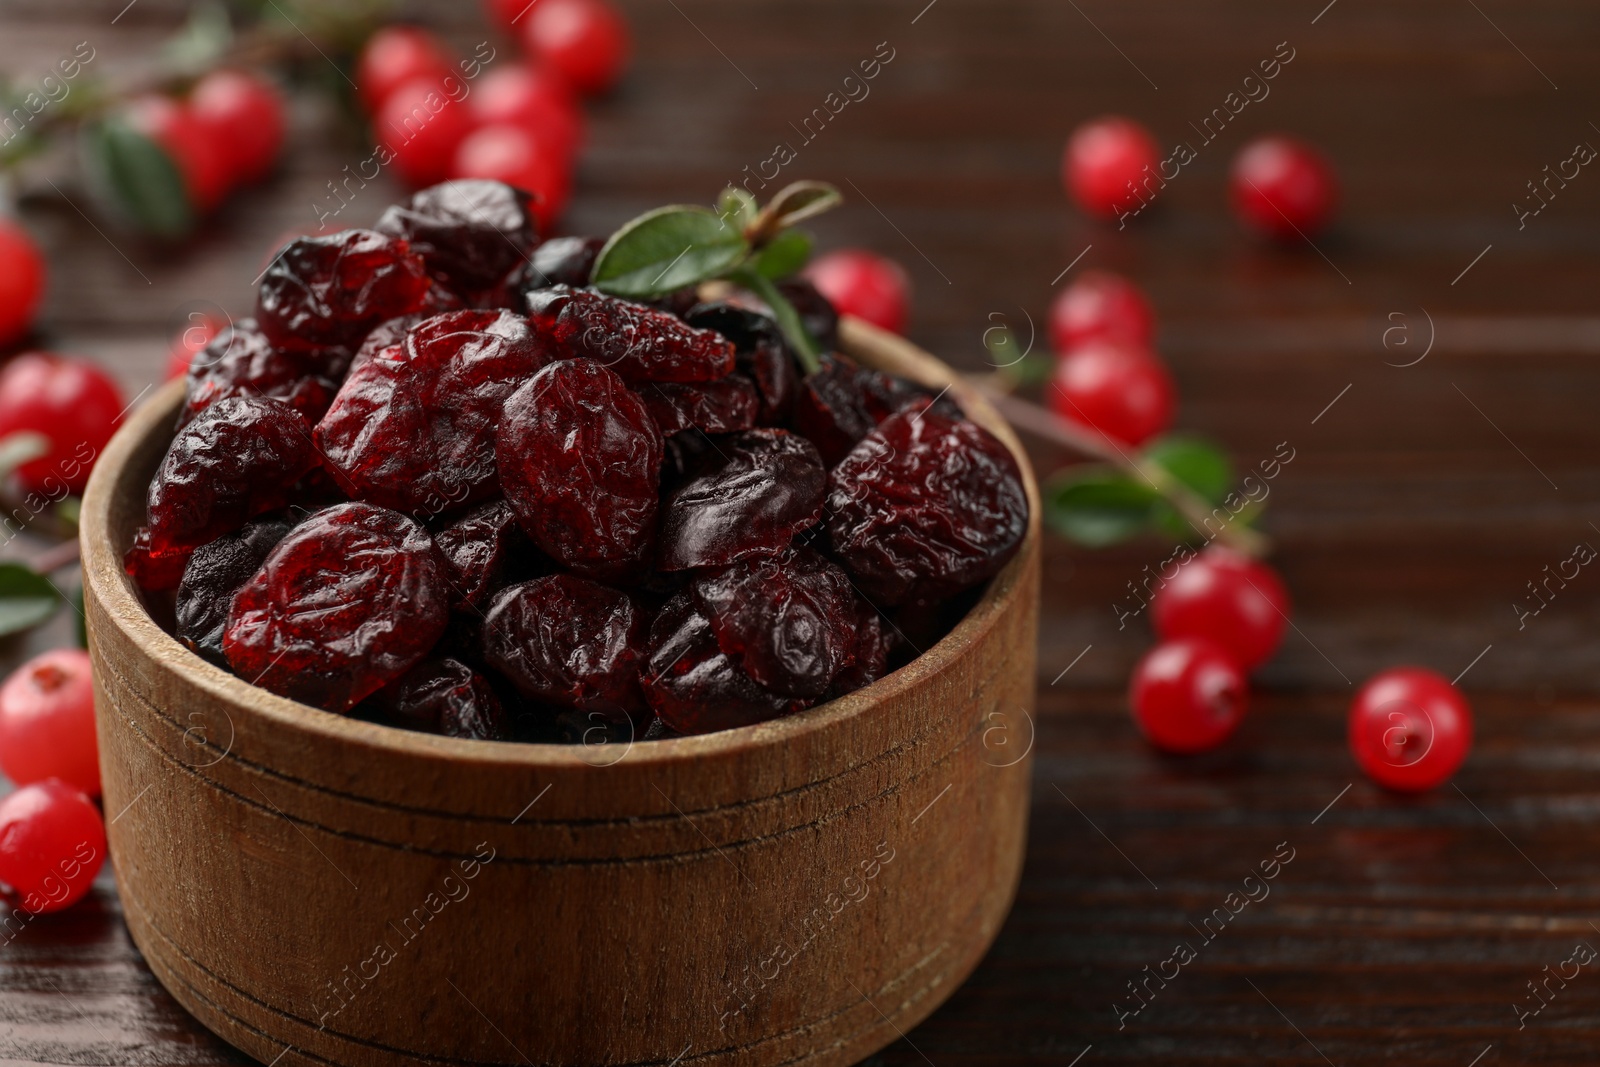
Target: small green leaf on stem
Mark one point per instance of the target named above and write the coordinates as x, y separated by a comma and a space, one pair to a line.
1098, 506
737, 207
665, 250
1196, 462
202, 42
793, 203
26, 598
135, 180
784, 255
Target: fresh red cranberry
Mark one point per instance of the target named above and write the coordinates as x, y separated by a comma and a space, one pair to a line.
533, 97
1188, 695
395, 55
72, 403
47, 721
1283, 188
1121, 391
507, 14
1107, 163
422, 125
1101, 306
514, 155
52, 844
197, 151
864, 284
22, 276
587, 41
244, 115
1235, 601
1410, 729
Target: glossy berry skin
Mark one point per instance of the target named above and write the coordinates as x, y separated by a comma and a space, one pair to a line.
241, 361
1102, 158
322, 292
22, 276
1283, 188
1410, 729
533, 97
215, 572
73, 403
422, 126
471, 234
195, 149
1187, 695
1123, 393
642, 344
585, 41
244, 116
47, 721
864, 284
444, 696
1231, 599
521, 159
1101, 306
52, 844
478, 549
395, 55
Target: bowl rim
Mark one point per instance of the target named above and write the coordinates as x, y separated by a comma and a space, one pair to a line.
117, 598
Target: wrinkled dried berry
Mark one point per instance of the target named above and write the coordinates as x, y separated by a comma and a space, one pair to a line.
693, 686
413, 426
470, 232
724, 406
478, 548
769, 487
869, 659
569, 641
580, 462
350, 600
640, 343
386, 334
817, 314
215, 572
561, 261
841, 403
326, 291
759, 352
788, 621
924, 507
444, 696
240, 361
237, 460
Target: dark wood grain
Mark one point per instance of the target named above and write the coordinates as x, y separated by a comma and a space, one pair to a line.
1416, 509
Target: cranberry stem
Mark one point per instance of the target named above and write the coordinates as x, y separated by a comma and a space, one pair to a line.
794, 331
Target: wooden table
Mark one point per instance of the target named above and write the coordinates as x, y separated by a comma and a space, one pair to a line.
1420, 501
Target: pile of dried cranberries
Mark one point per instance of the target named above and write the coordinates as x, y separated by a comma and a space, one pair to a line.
438, 482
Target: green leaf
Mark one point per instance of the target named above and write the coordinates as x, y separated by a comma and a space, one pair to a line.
202, 42
135, 180
1031, 370
800, 201
1098, 506
19, 448
26, 598
784, 255
665, 250
1196, 462
806, 350
737, 207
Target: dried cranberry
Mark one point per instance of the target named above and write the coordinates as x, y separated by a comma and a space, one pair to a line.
470, 232
444, 696
817, 314
580, 462
924, 507
477, 548
386, 334
640, 343
215, 572
561, 261
724, 406
696, 688
569, 641
788, 621
413, 426
240, 361
874, 640
841, 403
326, 291
768, 488
350, 600
684, 456
760, 352
238, 459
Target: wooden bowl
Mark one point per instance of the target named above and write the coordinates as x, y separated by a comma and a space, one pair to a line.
321, 890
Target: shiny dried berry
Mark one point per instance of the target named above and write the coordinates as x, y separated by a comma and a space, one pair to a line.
477, 549
817, 314
215, 572
580, 462
759, 352
869, 660
327, 291
841, 403
413, 426
924, 507
640, 343
444, 696
768, 487
561, 261
240, 458
696, 688
351, 599
471, 232
724, 406
569, 641
240, 361
386, 334
788, 621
